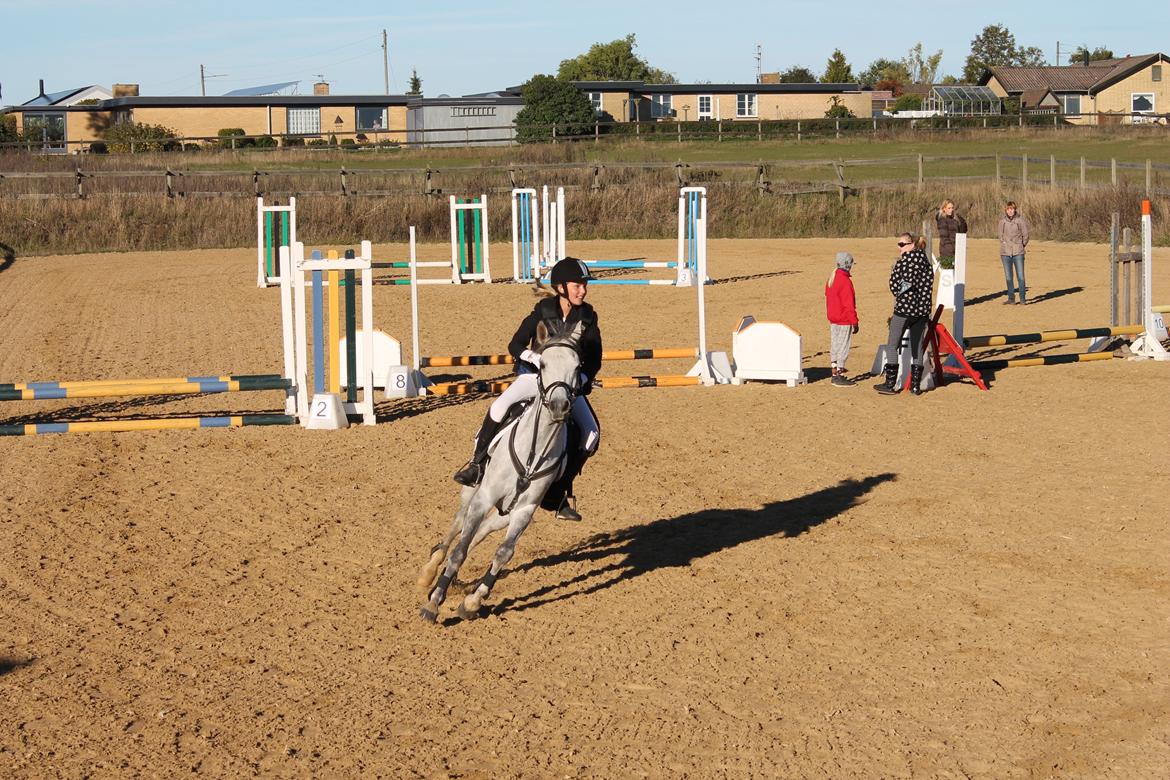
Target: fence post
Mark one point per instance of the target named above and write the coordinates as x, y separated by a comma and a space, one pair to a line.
678, 131
1149, 177
1021, 119
256, 183
875, 125
759, 129
798, 131
837, 128
1114, 229
984, 123
170, 184
1052, 171
720, 131
596, 178
344, 187
920, 173
596, 131
998, 183
1024, 173
1113, 170
554, 133
1082, 173
81, 178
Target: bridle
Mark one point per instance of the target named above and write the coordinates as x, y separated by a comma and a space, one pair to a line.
530, 469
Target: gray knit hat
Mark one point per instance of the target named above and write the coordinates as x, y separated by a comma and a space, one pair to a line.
844, 260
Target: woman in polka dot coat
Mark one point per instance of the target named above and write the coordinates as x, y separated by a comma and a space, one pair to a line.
912, 285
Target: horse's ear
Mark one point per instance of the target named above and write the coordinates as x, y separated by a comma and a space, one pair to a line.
541, 334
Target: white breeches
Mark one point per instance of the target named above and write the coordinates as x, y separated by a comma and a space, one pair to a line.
525, 387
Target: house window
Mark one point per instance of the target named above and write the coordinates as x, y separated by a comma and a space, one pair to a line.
704, 106
745, 104
595, 99
1070, 105
370, 118
49, 129
660, 106
473, 111
1142, 103
1156, 73
304, 121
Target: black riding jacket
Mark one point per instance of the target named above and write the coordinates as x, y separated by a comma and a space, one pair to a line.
548, 311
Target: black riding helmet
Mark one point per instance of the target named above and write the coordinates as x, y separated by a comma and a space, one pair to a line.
569, 270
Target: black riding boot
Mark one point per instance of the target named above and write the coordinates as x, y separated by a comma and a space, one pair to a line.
567, 508
886, 387
472, 471
916, 380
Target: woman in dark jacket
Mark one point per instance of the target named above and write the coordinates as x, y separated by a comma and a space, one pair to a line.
559, 313
912, 285
949, 223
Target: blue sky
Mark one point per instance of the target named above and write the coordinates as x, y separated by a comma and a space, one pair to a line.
461, 48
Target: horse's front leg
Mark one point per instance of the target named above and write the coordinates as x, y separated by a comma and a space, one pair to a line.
521, 516
428, 573
473, 514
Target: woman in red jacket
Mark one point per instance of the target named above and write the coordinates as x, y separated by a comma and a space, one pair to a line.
841, 307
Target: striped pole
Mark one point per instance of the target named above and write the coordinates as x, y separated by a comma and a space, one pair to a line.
1050, 335
159, 388
1047, 360
350, 331
154, 424
334, 328
505, 360
82, 383
605, 383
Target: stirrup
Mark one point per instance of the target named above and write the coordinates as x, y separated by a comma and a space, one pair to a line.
470, 475
566, 511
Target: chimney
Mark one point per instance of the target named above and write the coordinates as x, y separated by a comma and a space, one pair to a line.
42, 89
125, 90
321, 88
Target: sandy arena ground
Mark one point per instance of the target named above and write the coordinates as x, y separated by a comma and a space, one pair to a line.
773, 582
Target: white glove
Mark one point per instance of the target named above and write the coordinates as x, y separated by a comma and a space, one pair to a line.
528, 356
906, 287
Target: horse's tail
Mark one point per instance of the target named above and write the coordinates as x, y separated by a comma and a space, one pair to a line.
541, 290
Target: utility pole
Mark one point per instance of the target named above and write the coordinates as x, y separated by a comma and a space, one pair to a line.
202, 82
759, 62
1058, 52
386, 61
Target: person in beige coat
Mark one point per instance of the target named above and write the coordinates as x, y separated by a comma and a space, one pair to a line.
1013, 240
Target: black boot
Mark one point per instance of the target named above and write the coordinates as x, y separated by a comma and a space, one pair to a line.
916, 380
472, 471
567, 510
886, 387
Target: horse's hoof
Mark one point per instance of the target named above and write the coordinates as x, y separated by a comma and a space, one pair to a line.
467, 614
426, 614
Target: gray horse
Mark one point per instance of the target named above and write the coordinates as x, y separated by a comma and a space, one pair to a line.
529, 459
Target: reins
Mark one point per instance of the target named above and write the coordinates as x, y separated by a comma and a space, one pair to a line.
530, 470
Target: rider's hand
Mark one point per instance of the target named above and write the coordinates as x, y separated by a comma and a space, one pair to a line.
856, 328
528, 356
585, 387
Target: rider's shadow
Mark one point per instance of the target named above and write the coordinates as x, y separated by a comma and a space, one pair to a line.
678, 541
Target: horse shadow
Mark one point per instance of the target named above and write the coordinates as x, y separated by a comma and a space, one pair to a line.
8, 665
7, 256
674, 542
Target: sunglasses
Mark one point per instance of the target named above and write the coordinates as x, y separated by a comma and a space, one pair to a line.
905, 243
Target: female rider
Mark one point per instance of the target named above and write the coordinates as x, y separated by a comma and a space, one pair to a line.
570, 283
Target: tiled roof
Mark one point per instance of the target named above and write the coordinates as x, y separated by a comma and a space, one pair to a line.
1067, 78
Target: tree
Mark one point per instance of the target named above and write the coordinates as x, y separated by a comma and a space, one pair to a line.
129, 136
875, 72
798, 74
908, 103
612, 61
1099, 53
415, 83
837, 69
549, 101
995, 45
838, 110
922, 69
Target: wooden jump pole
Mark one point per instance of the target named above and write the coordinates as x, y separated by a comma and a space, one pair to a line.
157, 424
1050, 335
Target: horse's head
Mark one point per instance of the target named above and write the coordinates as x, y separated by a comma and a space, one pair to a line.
559, 372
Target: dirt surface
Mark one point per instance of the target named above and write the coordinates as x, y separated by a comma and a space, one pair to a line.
768, 582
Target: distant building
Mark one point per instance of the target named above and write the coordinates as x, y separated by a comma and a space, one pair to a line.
487, 119
638, 101
1126, 89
